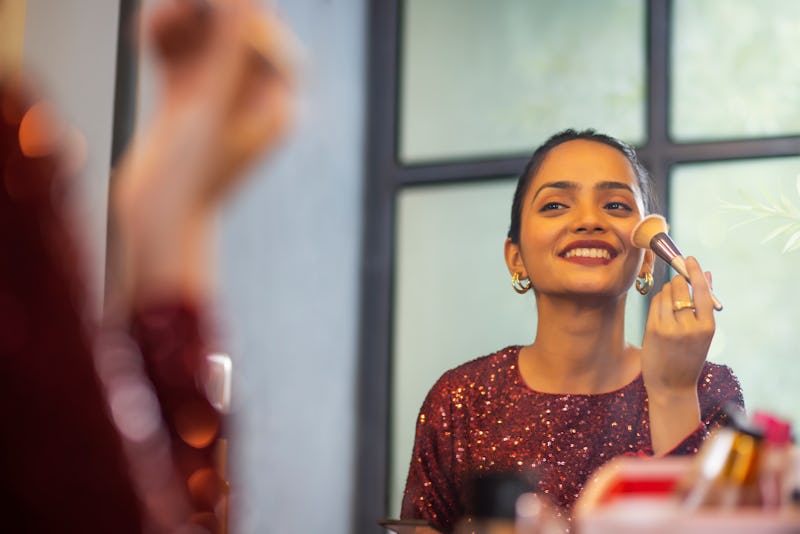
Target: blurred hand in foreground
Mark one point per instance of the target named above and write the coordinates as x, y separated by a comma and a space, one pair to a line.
227, 75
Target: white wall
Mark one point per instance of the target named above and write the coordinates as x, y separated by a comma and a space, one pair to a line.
71, 48
290, 263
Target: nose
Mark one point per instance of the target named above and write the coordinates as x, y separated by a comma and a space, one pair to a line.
587, 220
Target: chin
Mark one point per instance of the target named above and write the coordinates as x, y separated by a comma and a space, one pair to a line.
598, 292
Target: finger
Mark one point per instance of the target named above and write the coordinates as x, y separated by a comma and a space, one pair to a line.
264, 106
681, 304
661, 307
178, 29
704, 304
275, 44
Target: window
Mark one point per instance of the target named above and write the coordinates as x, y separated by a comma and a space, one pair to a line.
481, 80
734, 74
754, 279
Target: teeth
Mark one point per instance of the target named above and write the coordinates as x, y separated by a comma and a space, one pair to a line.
588, 253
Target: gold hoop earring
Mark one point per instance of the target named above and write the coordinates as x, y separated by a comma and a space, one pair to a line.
645, 283
519, 286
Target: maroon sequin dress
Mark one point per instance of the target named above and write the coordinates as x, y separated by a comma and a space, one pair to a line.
481, 416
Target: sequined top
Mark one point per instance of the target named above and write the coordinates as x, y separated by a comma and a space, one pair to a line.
481, 416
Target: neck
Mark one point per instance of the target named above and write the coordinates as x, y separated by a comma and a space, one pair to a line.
579, 347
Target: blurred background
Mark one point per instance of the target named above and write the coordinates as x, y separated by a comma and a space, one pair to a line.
368, 257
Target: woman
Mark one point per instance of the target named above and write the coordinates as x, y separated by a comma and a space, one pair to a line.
578, 395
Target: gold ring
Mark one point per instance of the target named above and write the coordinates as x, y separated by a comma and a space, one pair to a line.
679, 305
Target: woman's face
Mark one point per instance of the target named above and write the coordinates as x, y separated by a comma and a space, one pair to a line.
577, 218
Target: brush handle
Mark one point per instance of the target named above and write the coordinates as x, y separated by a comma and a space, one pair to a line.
666, 249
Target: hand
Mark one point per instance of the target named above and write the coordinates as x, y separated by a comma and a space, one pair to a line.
222, 102
226, 97
676, 342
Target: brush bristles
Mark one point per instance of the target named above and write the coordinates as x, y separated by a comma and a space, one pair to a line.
648, 227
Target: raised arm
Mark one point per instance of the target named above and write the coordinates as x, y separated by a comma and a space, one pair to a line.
227, 98
680, 327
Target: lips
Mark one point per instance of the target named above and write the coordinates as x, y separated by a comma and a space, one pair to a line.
589, 251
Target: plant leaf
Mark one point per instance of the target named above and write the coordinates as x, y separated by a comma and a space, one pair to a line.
787, 206
727, 205
793, 242
768, 197
770, 205
747, 196
778, 231
751, 220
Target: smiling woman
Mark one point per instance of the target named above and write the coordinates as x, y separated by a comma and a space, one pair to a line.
579, 394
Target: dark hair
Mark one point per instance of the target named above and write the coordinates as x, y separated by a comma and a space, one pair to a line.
525, 179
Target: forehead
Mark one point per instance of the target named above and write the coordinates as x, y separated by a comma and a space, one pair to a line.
585, 162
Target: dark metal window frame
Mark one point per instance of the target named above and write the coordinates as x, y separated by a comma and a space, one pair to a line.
386, 176
126, 79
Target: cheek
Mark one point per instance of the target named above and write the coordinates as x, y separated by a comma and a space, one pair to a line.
537, 244
536, 236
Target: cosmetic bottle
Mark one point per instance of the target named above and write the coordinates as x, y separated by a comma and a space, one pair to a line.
790, 493
508, 503
741, 475
775, 459
704, 486
728, 467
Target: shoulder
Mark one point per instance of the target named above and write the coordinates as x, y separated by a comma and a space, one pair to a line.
498, 368
718, 385
495, 366
716, 375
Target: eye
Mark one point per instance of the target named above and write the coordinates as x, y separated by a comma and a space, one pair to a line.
618, 206
550, 206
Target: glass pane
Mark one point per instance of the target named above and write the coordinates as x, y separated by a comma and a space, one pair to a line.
757, 282
485, 78
735, 69
453, 298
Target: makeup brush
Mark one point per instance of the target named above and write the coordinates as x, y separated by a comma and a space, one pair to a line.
651, 232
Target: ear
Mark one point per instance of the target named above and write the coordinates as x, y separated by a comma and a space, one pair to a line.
514, 259
648, 264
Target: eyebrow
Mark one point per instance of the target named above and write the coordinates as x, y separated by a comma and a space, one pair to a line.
602, 186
